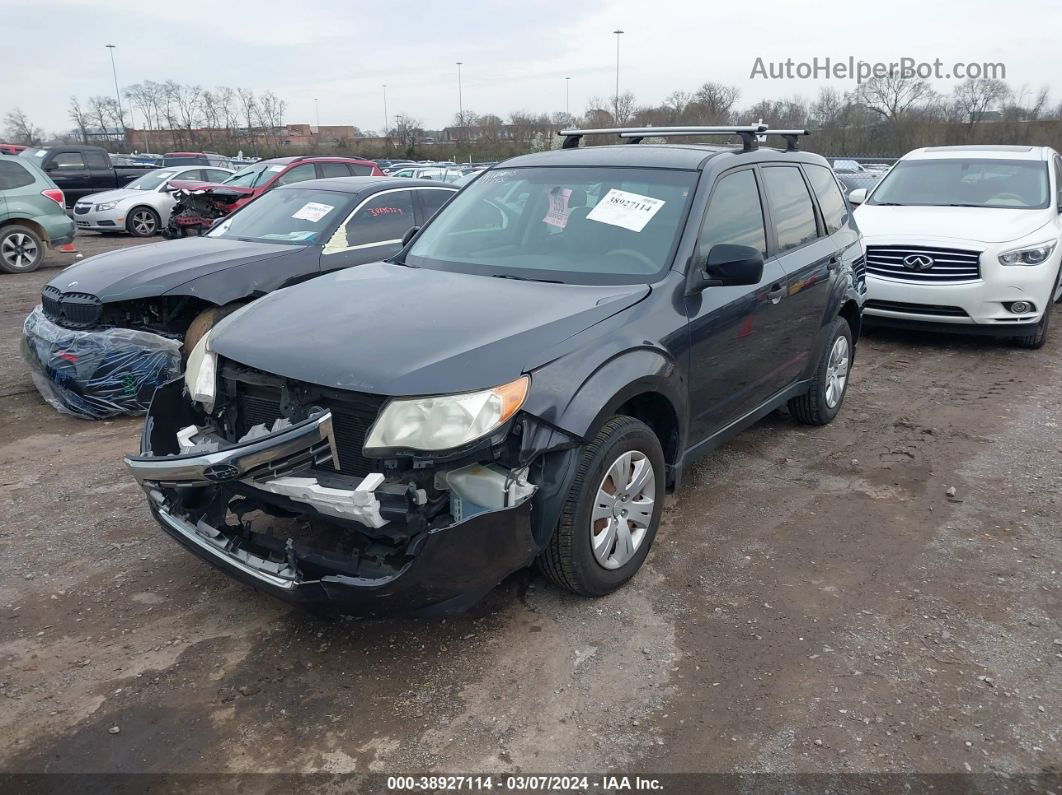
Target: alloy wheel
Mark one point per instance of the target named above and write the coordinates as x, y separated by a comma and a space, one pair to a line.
19, 250
623, 509
837, 371
143, 223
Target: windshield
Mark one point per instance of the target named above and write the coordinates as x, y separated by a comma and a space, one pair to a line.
295, 216
253, 175
151, 180
576, 225
972, 182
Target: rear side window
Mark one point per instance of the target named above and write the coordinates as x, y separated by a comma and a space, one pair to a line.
734, 216
68, 160
384, 217
297, 174
333, 170
12, 175
433, 200
360, 171
831, 202
792, 212
96, 160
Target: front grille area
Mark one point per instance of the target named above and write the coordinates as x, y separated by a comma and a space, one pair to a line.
352, 412
949, 265
917, 309
81, 209
860, 268
73, 310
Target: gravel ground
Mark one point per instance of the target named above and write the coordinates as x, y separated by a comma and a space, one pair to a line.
815, 602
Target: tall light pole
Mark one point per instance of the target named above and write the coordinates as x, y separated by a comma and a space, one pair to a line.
460, 101
616, 115
567, 96
117, 93
317, 114
387, 120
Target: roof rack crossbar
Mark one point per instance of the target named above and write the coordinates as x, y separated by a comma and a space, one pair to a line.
790, 137
748, 133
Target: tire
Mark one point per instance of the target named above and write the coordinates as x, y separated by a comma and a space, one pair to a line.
143, 222
21, 249
202, 323
569, 559
820, 404
1038, 337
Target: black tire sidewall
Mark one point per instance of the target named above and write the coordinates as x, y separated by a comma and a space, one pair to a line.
14, 229
635, 436
840, 329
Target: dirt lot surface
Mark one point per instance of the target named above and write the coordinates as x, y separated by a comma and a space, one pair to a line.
815, 602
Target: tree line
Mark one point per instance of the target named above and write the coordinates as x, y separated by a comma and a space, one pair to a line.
886, 115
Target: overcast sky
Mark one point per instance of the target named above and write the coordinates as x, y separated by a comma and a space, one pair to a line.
516, 54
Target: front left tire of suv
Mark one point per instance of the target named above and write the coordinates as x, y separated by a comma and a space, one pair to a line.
612, 511
820, 404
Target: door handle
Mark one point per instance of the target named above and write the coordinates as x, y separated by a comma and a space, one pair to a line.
777, 292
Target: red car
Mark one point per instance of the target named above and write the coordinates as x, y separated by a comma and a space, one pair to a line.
199, 204
11, 149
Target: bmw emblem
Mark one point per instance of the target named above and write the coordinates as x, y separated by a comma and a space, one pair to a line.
219, 473
918, 262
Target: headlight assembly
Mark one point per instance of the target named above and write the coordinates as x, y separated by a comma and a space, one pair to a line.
200, 375
444, 422
1031, 255
106, 206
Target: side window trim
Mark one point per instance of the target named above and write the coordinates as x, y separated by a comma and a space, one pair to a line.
819, 227
341, 229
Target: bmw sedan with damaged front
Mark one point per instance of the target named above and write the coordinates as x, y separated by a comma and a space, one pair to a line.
525, 380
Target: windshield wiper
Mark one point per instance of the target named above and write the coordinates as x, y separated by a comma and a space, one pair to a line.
524, 278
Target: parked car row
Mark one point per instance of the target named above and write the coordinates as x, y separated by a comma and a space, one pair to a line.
443, 386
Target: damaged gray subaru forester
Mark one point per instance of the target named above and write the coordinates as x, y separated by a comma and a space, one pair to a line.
524, 381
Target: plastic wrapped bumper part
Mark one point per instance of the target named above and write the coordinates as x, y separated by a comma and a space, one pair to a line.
97, 373
430, 568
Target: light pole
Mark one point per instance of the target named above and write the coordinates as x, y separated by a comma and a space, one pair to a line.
387, 121
117, 93
317, 114
567, 95
460, 101
618, 34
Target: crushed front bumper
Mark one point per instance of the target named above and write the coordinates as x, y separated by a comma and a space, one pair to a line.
439, 566
97, 373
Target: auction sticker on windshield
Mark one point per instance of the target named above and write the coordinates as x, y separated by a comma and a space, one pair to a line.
629, 210
312, 211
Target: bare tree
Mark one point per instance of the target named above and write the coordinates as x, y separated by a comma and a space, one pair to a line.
713, 103
406, 131
972, 98
79, 118
893, 95
18, 129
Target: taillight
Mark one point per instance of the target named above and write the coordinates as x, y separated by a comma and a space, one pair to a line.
55, 195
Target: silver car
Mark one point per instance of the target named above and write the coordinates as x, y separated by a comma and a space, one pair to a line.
141, 208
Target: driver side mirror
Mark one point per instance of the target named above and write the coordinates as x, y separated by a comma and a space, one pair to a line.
409, 235
729, 266
857, 196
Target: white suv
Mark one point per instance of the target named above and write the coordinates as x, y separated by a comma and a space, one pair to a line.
966, 238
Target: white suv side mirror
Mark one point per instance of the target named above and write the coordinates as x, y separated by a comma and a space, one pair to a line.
857, 196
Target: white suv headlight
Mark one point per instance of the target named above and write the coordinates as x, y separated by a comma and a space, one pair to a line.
106, 206
445, 421
200, 374
1030, 255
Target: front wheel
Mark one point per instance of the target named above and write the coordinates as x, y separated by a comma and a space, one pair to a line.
820, 404
142, 222
612, 511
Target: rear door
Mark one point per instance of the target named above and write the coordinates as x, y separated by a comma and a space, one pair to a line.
101, 172
809, 258
373, 231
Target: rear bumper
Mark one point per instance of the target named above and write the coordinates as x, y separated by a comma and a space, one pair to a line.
413, 565
59, 227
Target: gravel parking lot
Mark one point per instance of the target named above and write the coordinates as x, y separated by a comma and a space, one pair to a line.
815, 602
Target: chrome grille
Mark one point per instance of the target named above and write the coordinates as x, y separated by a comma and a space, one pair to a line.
949, 265
859, 266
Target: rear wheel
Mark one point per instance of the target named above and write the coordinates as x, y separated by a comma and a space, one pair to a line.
202, 323
21, 249
612, 511
142, 222
820, 404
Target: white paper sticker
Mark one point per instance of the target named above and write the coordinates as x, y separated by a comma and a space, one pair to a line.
557, 214
312, 211
629, 210
41, 153
275, 168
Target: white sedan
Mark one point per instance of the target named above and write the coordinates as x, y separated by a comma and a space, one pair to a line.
142, 207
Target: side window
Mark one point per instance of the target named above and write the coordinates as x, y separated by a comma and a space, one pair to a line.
383, 218
332, 170
96, 160
192, 174
359, 170
298, 174
831, 202
792, 212
433, 200
734, 215
12, 175
68, 161
215, 175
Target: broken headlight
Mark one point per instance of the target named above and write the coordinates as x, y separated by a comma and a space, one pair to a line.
444, 422
200, 375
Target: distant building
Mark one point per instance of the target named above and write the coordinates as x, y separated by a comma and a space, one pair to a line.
293, 135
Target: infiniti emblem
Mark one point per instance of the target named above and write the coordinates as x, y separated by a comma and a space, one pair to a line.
918, 262
219, 473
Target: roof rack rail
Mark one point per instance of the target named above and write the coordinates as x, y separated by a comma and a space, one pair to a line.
635, 135
790, 137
